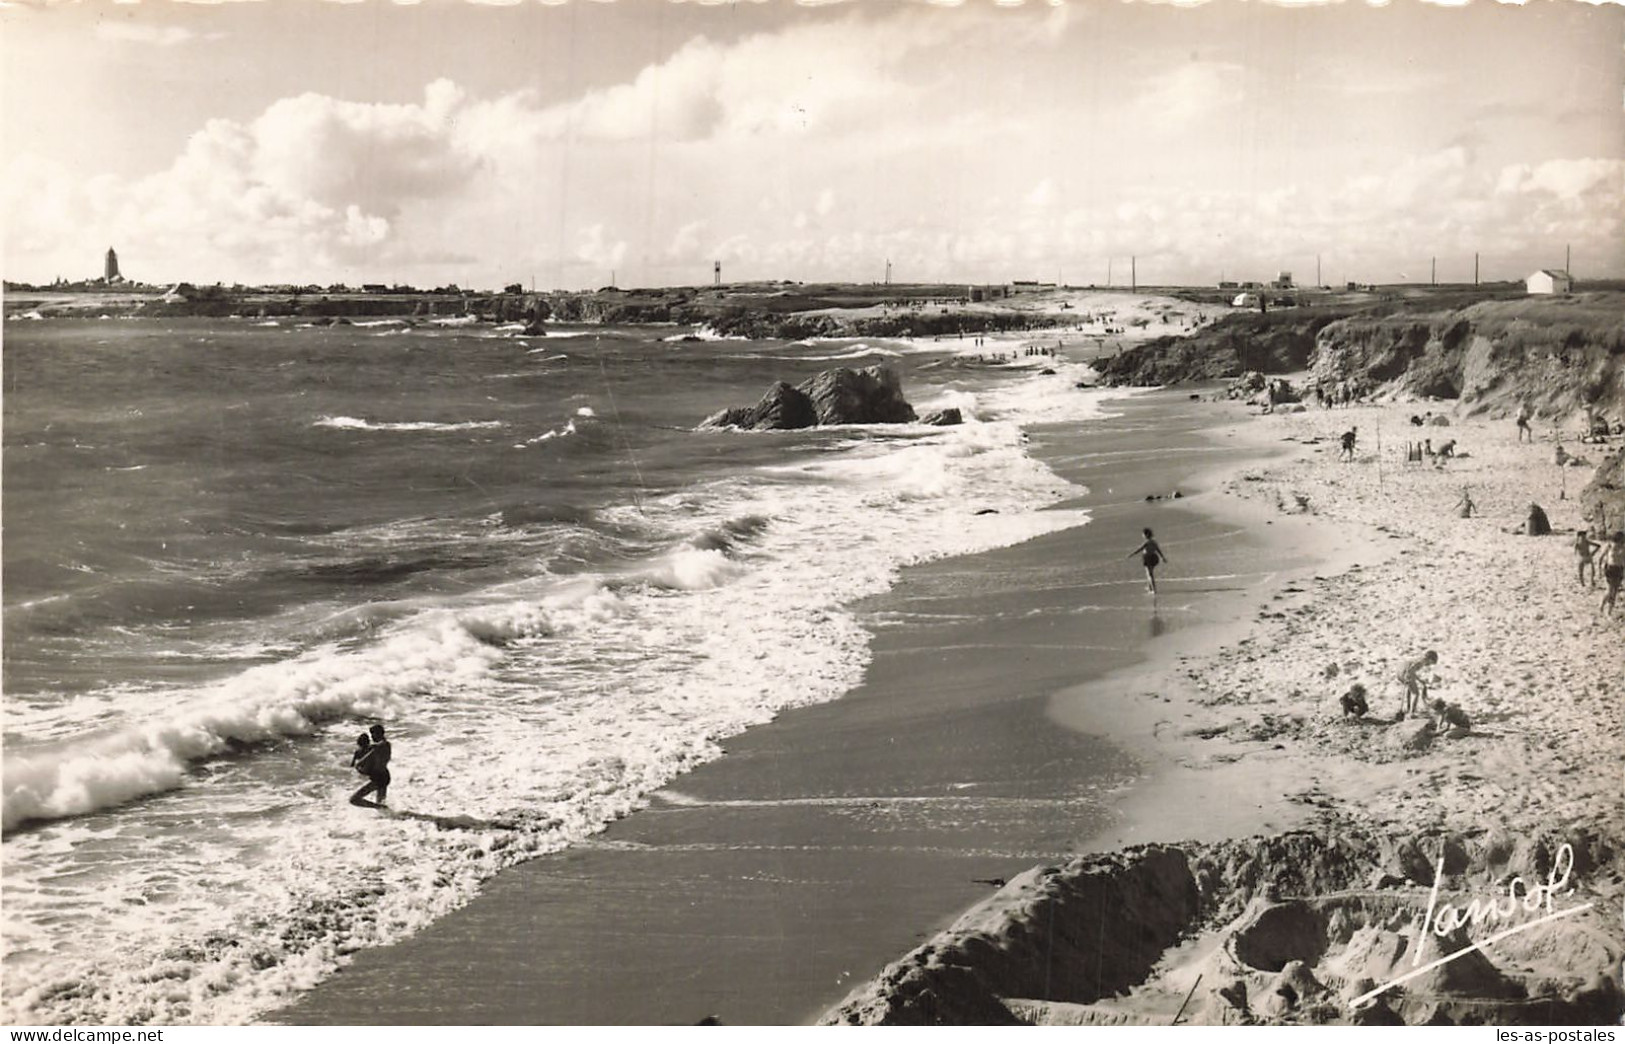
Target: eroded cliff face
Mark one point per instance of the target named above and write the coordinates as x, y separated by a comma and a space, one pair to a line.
1277, 342
1559, 355
1602, 502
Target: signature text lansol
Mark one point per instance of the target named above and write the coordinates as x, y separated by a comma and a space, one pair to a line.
1521, 895
1536, 897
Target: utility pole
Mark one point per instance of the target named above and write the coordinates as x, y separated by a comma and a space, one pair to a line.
1475, 268
1567, 262
888, 271
1133, 278
1433, 273
1108, 271
1317, 271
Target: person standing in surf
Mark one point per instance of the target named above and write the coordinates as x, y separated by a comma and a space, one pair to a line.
374, 764
1151, 556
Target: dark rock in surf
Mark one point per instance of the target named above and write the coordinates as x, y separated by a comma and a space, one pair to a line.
943, 418
872, 395
732, 417
784, 408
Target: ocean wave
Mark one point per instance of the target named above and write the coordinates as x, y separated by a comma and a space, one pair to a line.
274, 701
526, 715
358, 424
568, 429
857, 351
703, 333
368, 323
692, 569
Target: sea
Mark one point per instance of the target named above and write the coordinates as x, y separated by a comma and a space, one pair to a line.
232, 545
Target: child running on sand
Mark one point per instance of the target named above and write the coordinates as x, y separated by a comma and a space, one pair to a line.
1348, 440
1151, 555
1583, 547
1416, 682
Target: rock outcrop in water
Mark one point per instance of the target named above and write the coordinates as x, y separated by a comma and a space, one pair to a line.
872, 395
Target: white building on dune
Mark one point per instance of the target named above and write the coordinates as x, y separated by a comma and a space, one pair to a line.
1549, 281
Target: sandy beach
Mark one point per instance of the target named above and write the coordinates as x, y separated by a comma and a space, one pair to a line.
1028, 732
1245, 723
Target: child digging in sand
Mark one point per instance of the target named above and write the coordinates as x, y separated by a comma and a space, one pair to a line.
1450, 720
1416, 682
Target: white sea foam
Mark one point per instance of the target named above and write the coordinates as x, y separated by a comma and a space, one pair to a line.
703, 333
525, 717
368, 323
358, 424
569, 428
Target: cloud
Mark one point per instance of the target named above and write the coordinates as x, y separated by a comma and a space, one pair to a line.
337, 153
139, 33
312, 182
1192, 90
1573, 179
595, 249
686, 243
797, 81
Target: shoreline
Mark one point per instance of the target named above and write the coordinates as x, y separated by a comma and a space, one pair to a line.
830, 840
1317, 923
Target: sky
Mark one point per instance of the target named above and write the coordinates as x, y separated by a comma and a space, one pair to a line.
573, 143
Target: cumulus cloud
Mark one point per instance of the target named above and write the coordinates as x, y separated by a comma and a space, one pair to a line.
140, 33
596, 249
313, 181
686, 243
1193, 90
816, 151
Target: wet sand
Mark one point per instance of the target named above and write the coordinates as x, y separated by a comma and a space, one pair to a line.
761, 887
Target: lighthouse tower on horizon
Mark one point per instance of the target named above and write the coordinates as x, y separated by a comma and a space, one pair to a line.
110, 269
